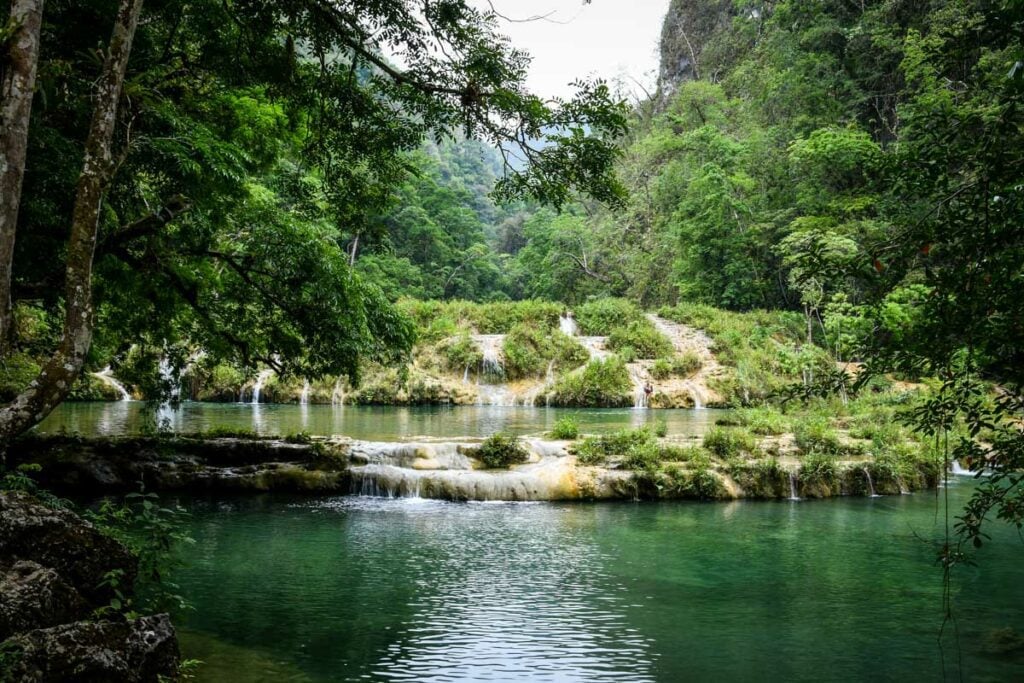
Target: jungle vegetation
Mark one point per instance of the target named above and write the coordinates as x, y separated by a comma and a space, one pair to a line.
256, 179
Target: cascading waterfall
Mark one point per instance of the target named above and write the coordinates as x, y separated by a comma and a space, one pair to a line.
304, 396
338, 394
871, 483
792, 487
549, 379
258, 387
957, 469
465, 375
490, 346
696, 394
636, 375
490, 384
106, 375
567, 324
168, 376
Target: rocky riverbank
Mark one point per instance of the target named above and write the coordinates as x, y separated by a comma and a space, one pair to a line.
451, 469
54, 581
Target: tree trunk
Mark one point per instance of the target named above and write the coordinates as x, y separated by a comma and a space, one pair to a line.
16, 92
54, 381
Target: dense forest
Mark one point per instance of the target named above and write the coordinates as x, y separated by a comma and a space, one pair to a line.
814, 223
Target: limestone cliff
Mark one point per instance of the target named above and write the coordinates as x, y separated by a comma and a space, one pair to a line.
689, 26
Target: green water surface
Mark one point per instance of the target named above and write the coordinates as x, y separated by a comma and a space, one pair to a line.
375, 423
350, 588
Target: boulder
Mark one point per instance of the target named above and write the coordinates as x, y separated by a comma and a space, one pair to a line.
139, 650
33, 596
60, 540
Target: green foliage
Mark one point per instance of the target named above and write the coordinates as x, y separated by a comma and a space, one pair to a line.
682, 365
460, 352
566, 428
499, 451
17, 371
601, 383
696, 482
601, 316
302, 437
529, 350
817, 469
729, 442
764, 351
765, 421
485, 318
642, 338
595, 449
154, 533
816, 435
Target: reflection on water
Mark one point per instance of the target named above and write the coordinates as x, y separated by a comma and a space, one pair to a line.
355, 588
381, 423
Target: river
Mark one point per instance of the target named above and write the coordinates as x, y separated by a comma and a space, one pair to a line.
356, 588
373, 423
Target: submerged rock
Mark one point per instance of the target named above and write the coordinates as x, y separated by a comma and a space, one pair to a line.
140, 650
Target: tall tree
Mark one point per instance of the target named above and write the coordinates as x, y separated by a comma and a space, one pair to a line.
265, 132
17, 88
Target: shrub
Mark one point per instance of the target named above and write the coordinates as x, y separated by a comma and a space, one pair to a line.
765, 350
299, 438
601, 383
529, 350
819, 468
601, 316
816, 435
16, 372
729, 442
674, 482
762, 421
661, 428
500, 450
502, 316
596, 449
676, 366
439, 328
642, 337
566, 428
460, 352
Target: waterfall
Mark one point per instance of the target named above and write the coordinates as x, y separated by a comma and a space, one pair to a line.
338, 394
106, 375
871, 484
636, 375
957, 469
530, 400
490, 346
258, 387
169, 378
595, 346
465, 375
792, 487
304, 396
567, 324
695, 394
491, 389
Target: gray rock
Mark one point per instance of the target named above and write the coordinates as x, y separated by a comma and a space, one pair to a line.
137, 651
33, 596
64, 542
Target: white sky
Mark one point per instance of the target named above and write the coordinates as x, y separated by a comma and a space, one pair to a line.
607, 38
